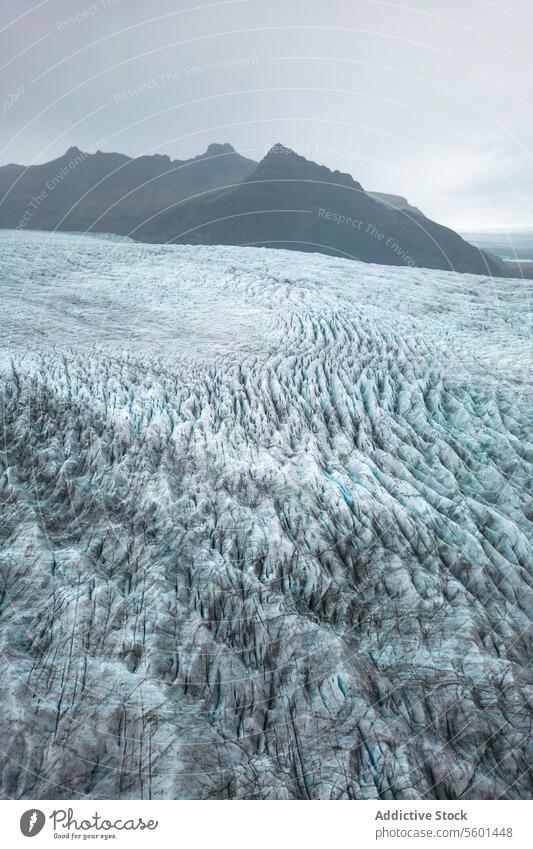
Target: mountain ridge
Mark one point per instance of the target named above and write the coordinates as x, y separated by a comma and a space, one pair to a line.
221, 197
109, 192
294, 203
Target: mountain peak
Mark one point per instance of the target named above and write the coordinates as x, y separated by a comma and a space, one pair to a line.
215, 149
280, 151
280, 148
283, 163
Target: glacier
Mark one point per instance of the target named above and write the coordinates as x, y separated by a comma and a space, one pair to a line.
265, 526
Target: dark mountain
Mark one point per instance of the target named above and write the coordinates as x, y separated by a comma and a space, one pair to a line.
290, 202
221, 197
110, 192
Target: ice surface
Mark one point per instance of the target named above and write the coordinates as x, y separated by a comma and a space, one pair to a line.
265, 525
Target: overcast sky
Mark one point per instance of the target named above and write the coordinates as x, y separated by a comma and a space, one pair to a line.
426, 98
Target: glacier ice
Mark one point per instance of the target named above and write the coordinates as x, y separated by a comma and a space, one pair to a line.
266, 528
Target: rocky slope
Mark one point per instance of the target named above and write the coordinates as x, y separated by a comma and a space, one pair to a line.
292, 203
396, 201
265, 528
110, 192
284, 201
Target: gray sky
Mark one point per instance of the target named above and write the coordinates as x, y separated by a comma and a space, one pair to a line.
426, 98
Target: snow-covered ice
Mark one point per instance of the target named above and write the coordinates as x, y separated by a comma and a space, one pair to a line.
265, 526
